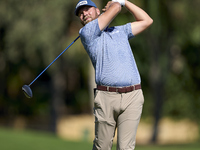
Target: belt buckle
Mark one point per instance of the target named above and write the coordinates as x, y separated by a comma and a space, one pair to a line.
133, 87
107, 88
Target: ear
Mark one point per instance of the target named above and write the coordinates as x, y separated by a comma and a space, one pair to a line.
98, 11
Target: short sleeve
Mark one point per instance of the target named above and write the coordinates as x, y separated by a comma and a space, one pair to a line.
128, 30
90, 32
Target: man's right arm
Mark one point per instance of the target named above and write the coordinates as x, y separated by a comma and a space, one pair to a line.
112, 9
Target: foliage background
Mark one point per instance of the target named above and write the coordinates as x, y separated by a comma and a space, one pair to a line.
34, 32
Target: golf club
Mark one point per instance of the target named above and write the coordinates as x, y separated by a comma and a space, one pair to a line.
26, 88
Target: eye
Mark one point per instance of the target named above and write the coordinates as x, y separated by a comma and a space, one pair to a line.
80, 13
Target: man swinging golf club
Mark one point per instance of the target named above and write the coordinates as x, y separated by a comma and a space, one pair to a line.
118, 99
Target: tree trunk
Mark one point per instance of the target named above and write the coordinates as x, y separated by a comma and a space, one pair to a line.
57, 101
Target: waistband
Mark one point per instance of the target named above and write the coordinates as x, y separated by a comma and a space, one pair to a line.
119, 90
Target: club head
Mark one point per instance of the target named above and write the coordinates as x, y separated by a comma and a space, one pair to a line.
27, 91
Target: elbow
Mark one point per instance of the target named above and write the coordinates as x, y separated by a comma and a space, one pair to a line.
149, 21
117, 7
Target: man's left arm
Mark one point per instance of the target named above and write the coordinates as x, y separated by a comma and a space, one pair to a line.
143, 20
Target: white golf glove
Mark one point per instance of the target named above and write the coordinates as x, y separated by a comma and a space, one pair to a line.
122, 2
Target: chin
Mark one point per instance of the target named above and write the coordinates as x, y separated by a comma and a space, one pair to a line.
86, 22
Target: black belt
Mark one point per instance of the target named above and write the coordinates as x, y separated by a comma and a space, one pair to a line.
119, 90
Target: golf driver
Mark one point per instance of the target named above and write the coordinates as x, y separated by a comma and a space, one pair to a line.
26, 88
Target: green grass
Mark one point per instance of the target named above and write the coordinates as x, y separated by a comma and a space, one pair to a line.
30, 140
170, 147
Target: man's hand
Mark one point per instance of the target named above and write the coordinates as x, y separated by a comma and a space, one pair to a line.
107, 6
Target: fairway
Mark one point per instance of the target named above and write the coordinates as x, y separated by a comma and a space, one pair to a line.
22, 140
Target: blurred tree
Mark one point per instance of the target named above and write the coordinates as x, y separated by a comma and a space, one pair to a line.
33, 33
171, 71
159, 55
182, 86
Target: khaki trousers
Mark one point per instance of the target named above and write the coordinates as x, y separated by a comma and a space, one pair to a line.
114, 110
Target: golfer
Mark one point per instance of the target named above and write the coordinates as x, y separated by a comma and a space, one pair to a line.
118, 98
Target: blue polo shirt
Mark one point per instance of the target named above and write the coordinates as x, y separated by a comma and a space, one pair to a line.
111, 54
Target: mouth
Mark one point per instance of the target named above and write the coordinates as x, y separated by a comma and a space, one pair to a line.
87, 19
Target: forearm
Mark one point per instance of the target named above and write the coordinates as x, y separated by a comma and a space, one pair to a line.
143, 20
138, 13
110, 12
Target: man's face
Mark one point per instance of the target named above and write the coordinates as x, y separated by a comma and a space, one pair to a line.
87, 14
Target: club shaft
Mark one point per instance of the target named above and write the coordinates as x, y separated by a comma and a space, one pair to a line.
52, 62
